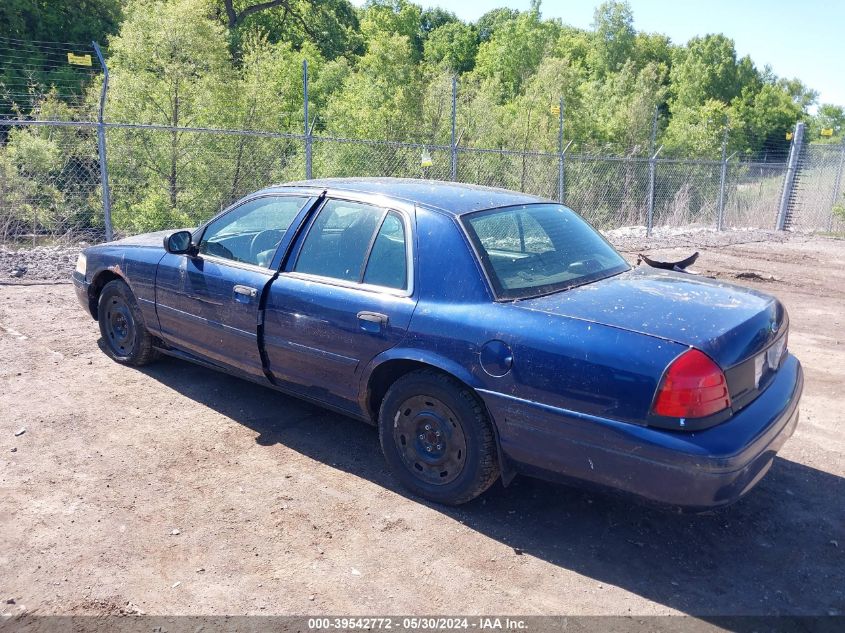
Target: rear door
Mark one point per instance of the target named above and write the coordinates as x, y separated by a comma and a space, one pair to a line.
208, 304
345, 296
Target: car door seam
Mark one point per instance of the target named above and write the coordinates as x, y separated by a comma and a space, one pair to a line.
265, 291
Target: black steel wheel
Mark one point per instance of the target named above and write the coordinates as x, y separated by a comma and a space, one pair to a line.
430, 440
120, 327
437, 438
125, 338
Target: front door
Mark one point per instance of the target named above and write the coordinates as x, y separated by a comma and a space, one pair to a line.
346, 296
208, 304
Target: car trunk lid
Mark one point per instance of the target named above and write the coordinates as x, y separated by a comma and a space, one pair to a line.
729, 323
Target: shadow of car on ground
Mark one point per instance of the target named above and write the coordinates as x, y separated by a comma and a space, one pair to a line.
779, 550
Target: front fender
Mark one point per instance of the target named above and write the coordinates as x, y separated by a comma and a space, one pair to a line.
135, 266
100, 271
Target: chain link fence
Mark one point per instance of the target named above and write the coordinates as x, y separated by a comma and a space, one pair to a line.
174, 177
68, 175
818, 189
161, 177
753, 194
50, 184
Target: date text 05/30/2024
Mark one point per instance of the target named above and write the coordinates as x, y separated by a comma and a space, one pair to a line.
418, 623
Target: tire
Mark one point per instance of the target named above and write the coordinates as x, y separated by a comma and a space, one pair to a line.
125, 339
437, 438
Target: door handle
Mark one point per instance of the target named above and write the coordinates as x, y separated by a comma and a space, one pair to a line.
245, 291
372, 321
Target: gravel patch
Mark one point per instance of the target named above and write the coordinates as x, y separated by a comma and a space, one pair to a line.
38, 264
633, 239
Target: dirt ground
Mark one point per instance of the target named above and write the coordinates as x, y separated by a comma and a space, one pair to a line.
178, 490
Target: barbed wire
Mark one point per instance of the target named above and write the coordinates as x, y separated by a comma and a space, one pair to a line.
40, 79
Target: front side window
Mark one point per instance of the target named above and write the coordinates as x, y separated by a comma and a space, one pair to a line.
357, 243
251, 233
538, 249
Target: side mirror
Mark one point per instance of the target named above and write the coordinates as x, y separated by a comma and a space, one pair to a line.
179, 243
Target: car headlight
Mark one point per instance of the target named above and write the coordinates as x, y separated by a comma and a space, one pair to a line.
81, 264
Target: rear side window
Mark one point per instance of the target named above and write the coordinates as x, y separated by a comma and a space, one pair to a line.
338, 241
357, 243
388, 262
538, 249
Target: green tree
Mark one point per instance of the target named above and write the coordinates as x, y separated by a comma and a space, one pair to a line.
760, 120
531, 118
330, 26
80, 21
573, 45
268, 97
49, 177
394, 17
381, 100
705, 69
614, 39
434, 17
697, 130
491, 21
170, 65
800, 94
514, 51
653, 48
34, 64
828, 117
453, 47
620, 109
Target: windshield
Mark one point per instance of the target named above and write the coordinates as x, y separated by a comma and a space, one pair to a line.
537, 249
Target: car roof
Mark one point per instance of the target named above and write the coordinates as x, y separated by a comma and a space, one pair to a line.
451, 197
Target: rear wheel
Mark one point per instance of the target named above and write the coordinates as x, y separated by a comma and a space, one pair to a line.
437, 438
126, 339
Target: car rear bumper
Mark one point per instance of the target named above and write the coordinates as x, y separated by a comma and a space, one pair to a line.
693, 470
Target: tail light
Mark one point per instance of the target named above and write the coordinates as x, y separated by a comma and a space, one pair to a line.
692, 387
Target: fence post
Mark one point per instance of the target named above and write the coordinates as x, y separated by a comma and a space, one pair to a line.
453, 164
651, 169
836, 186
653, 137
789, 178
560, 191
305, 114
101, 146
722, 178
652, 165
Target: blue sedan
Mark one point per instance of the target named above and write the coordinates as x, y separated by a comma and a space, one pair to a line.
485, 332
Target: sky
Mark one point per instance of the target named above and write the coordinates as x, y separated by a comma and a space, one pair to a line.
804, 39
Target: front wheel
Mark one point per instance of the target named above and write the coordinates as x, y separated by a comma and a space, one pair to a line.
126, 339
437, 438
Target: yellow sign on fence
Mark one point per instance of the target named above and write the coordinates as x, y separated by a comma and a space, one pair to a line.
828, 131
789, 136
425, 159
78, 60
555, 110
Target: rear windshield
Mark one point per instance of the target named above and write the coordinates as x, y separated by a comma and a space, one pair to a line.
538, 249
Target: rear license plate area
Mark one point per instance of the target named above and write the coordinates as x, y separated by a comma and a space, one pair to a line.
768, 360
